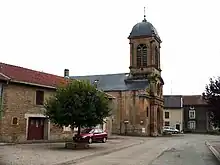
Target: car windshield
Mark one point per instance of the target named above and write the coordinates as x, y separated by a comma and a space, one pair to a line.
172, 128
87, 131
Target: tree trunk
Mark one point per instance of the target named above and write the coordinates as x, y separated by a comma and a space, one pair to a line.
79, 130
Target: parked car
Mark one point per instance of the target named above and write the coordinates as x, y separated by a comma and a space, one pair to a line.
170, 130
91, 135
174, 130
167, 130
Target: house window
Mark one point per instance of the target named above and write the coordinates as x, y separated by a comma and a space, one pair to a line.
166, 115
167, 123
14, 121
39, 97
192, 114
192, 125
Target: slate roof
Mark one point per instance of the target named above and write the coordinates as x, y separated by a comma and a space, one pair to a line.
193, 100
173, 101
114, 82
18, 74
143, 28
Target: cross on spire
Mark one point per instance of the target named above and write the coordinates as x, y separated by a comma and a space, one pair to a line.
144, 15
144, 12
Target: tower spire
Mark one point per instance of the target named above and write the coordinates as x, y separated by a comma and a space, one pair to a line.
144, 15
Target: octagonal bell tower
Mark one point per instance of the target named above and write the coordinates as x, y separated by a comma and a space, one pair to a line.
144, 49
145, 66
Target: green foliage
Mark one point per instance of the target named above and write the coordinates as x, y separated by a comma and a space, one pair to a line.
212, 97
79, 104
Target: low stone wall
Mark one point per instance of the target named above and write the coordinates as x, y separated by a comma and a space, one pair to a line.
130, 130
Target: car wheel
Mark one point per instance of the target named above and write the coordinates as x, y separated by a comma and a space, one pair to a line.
104, 140
90, 140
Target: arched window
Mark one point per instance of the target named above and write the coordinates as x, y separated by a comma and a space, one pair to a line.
156, 57
144, 51
141, 55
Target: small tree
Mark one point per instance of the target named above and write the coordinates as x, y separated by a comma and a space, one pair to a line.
79, 104
212, 97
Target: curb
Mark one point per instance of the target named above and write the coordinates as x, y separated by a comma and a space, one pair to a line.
6, 144
48, 141
35, 142
213, 150
90, 156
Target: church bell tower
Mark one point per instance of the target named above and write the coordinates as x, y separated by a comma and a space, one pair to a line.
144, 50
145, 67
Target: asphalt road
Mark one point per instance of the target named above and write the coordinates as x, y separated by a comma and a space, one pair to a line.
178, 150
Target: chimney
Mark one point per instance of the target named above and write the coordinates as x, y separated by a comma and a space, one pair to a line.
66, 73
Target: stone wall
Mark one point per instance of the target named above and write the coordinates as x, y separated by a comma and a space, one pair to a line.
1, 92
133, 109
19, 100
108, 125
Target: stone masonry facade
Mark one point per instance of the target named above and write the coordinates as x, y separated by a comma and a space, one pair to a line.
136, 115
19, 101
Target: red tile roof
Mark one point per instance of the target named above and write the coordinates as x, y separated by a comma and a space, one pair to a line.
27, 76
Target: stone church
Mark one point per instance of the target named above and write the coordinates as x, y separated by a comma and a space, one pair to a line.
139, 93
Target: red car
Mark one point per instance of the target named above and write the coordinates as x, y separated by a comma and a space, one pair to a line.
94, 135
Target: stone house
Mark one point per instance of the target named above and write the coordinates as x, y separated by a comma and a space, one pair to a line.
22, 94
173, 111
139, 93
196, 114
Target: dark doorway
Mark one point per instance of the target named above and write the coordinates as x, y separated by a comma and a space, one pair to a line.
178, 127
36, 128
158, 121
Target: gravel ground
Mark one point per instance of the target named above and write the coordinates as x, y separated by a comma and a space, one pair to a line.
54, 153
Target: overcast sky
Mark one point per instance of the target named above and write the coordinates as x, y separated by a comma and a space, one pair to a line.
90, 37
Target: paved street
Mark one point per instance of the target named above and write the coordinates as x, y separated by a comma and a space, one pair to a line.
191, 151
177, 150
